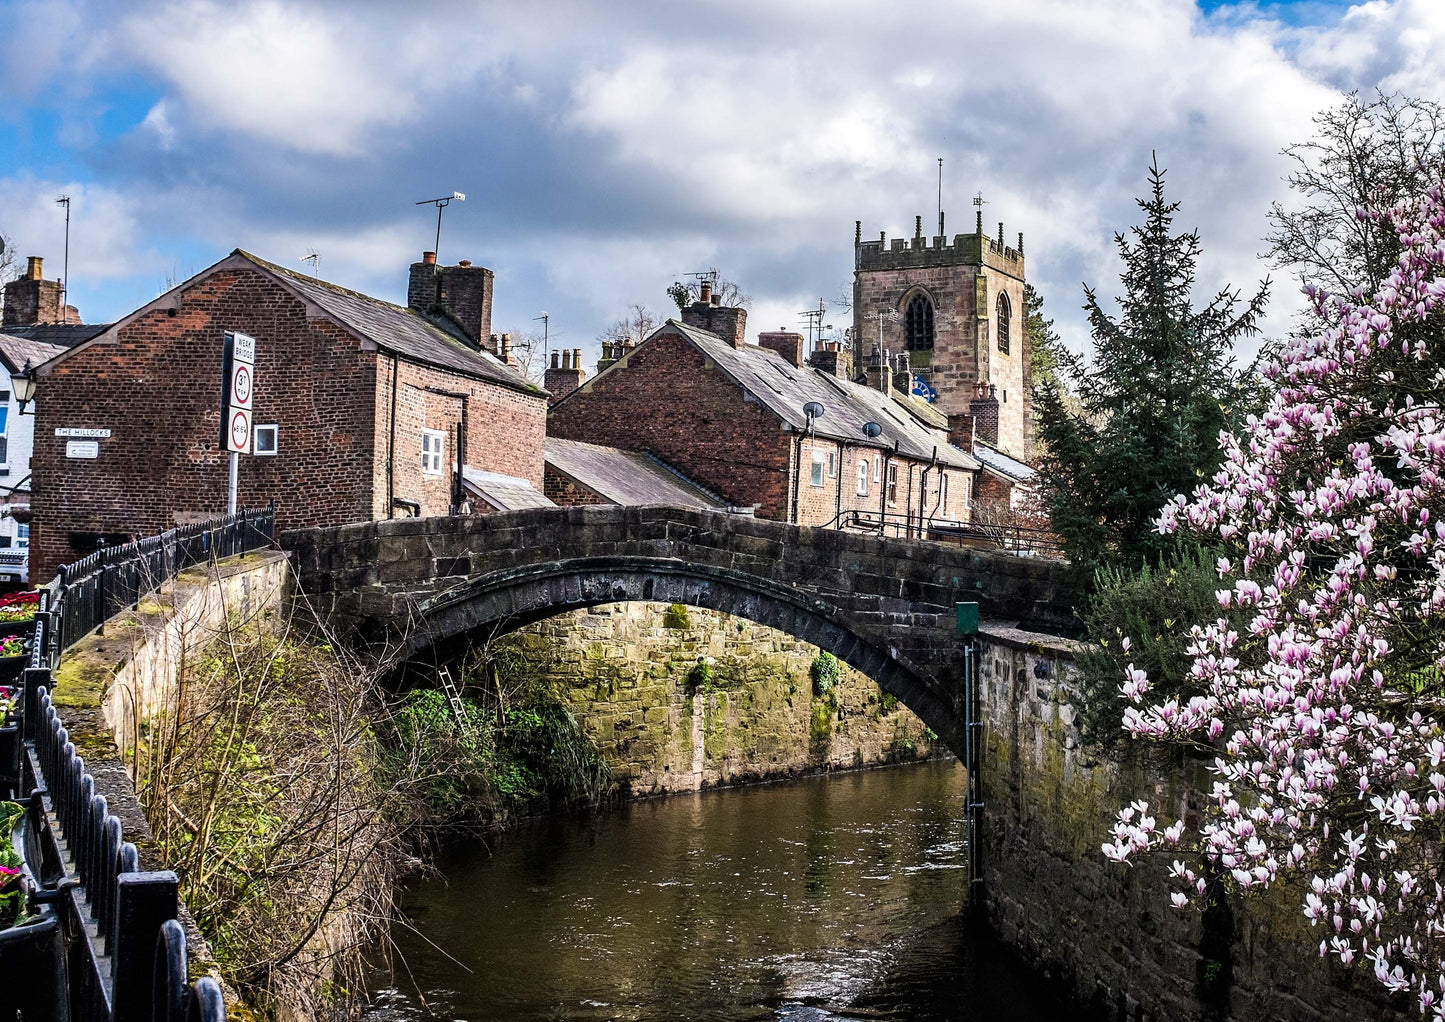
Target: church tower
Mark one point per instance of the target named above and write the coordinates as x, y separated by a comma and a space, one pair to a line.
956, 309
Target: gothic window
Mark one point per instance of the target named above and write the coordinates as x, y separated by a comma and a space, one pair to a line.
1001, 322
918, 324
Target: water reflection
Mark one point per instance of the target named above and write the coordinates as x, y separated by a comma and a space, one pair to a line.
828, 898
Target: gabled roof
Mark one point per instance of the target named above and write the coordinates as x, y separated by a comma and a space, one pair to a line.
405, 332
921, 410
997, 463
502, 492
629, 478
62, 335
18, 350
784, 389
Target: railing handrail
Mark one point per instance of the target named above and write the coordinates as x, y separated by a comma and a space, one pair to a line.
1011, 537
91, 873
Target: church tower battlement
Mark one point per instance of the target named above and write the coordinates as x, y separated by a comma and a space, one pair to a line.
957, 308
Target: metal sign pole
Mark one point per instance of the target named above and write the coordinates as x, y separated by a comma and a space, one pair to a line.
231, 488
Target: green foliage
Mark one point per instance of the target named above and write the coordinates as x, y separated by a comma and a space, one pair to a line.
1154, 607
825, 672
680, 294
1047, 354
12, 893
1152, 402
676, 617
701, 675
820, 726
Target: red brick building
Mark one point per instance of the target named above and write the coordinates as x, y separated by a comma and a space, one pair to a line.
369, 402
731, 416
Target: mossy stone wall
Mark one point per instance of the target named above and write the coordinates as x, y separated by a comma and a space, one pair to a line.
678, 698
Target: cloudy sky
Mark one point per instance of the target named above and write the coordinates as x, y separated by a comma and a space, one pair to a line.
609, 149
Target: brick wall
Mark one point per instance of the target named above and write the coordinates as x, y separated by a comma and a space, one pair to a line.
157, 387
561, 490
504, 429
665, 398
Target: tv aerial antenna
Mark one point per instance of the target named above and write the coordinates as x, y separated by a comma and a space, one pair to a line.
314, 258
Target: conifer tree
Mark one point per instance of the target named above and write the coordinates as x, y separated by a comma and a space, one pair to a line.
1150, 403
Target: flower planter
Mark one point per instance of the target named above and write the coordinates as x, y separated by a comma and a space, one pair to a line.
26, 628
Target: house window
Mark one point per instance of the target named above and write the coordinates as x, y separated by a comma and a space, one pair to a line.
862, 478
22, 535
433, 449
1002, 321
877, 467
820, 466
832, 465
918, 324
893, 484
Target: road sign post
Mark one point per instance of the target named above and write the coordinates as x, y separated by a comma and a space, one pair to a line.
238, 387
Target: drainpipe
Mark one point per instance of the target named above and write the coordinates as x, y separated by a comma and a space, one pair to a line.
908, 504
923, 488
838, 504
797, 473
391, 448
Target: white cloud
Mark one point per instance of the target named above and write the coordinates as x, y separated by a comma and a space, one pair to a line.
105, 237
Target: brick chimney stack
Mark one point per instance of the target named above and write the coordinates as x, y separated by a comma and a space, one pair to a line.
880, 371
708, 313
834, 359
787, 343
462, 293
32, 300
565, 374
902, 373
984, 411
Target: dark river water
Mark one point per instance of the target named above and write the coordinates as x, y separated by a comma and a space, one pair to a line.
829, 898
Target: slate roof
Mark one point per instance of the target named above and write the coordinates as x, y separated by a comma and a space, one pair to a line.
921, 410
406, 332
503, 493
784, 388
629, 478
17, 349
1001, 464
62, 335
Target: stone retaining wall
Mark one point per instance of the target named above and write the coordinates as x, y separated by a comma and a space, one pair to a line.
1108, 930
631, 674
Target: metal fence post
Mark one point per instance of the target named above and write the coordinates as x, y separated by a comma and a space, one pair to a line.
144, 902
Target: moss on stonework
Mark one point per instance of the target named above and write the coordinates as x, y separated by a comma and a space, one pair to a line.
84, 674
676, 617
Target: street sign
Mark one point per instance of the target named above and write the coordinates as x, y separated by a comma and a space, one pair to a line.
238, 381
82, 449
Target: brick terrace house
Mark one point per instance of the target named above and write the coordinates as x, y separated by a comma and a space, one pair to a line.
730, 415
367, 400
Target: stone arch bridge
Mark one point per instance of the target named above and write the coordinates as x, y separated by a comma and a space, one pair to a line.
885, 606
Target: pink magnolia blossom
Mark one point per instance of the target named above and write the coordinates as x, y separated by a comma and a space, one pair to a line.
1325, 712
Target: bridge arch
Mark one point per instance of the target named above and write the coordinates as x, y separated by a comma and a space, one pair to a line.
503, 601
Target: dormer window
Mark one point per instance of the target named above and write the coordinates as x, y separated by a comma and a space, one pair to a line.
918, 324
1001, 321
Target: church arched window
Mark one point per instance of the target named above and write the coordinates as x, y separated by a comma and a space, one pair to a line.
918, 324
1001, 321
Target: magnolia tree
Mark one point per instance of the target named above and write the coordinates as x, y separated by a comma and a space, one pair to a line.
1324, 705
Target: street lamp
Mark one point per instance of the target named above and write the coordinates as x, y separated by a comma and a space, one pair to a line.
23, 383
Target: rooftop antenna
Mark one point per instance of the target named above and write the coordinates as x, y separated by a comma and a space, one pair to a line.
815, 322
314, 258
940, 196
546, 322
441, 204
978, 204
64, 200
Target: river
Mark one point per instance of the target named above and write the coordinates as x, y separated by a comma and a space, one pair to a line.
827, 898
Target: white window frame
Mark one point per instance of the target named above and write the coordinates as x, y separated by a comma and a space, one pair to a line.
820, 468
862, 477
877, 468
433, 452
275, 431
832, 465
892, 484
22, 535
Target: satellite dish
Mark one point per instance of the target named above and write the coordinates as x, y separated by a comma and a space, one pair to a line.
813, 410
871, 430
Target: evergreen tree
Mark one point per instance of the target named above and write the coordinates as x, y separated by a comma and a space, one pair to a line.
1150, 405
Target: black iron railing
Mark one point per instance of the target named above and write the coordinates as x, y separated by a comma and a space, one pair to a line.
1024, 540
104, 945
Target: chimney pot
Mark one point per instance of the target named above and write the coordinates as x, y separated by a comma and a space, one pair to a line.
33, 265
554, 361
464, 262
576, 358
717, 301
430, 258
566, 359
706, 296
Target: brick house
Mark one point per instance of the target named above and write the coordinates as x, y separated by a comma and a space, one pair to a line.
367, 403
730, 416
